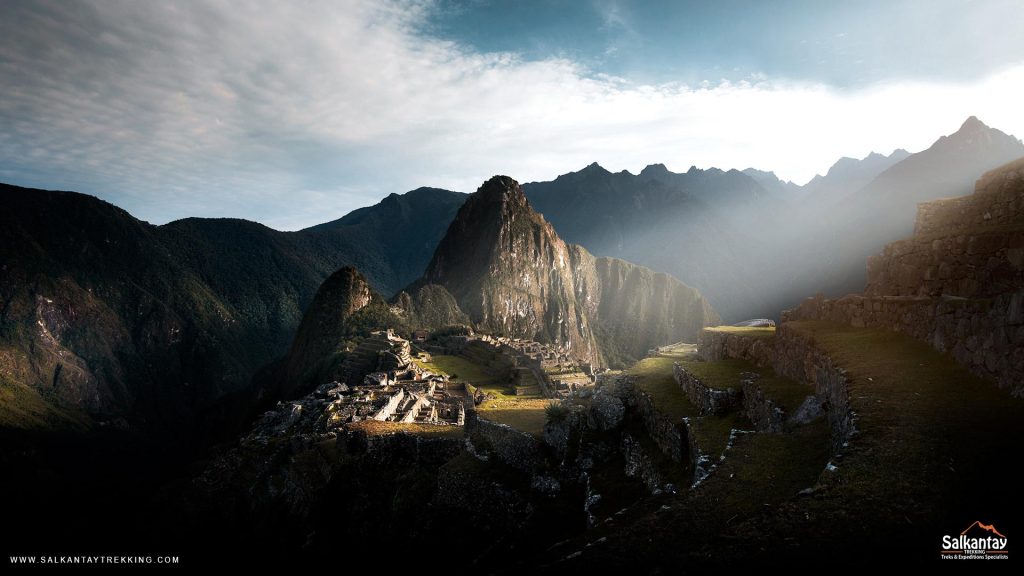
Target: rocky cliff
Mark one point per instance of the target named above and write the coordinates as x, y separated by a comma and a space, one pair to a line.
511, 273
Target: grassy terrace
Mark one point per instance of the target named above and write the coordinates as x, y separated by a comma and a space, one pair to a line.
654, 376
934, 452
933, 446
765, 469
522, 413
754, 332
913, 403
712, 432
375, 427
726, 373
461, 370
525, 413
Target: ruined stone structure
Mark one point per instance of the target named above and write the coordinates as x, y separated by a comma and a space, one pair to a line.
957, 283
397, 391
381, 351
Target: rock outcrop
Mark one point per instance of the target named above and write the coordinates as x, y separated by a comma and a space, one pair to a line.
319, 350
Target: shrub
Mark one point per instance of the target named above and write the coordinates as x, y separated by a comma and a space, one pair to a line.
556, 412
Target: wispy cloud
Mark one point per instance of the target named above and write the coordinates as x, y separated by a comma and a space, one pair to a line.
294, 113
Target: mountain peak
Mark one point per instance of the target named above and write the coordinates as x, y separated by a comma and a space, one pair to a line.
654, 170
500, 190
972, 124
976, 138
508, 270
498, 183
594, 168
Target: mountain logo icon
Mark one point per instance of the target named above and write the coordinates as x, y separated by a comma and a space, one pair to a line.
979, 541
990, 528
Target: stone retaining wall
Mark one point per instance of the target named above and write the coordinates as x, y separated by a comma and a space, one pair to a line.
763, 412
517, 449
707, 400
798, 359
996, 202
668, 434
986, 336
980, 264
715, 345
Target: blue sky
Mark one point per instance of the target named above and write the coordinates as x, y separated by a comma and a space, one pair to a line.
296, 113
844, 44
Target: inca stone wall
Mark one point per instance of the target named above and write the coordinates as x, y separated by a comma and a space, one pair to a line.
799, 359
792, 356
516, 449
996, 202
715, 345
957, 284
707, 400
980, 264
986, 336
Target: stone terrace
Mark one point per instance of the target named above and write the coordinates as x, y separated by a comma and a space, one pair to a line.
957, 284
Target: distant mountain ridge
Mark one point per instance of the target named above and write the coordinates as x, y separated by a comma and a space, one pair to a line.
108, 318
755, 245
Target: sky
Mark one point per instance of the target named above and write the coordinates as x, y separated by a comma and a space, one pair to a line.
295, 113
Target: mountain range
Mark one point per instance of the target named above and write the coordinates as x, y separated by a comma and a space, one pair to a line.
753, 244
108, 319
503, 269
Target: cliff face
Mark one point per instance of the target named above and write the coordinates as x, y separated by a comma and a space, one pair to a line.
640, 309
512, 274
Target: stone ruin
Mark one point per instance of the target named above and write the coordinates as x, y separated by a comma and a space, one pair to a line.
558, 373
395, 389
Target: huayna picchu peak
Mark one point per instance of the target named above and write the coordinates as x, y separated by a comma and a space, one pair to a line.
510, 272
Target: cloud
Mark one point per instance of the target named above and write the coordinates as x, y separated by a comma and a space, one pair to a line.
295, 113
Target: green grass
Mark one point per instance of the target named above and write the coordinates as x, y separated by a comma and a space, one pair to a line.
929, 430
465, 370
934, 452
654, 376
720, 374
376, 427
523, 414
786, 393
23, 408
754, 332
765, 469
712, 432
